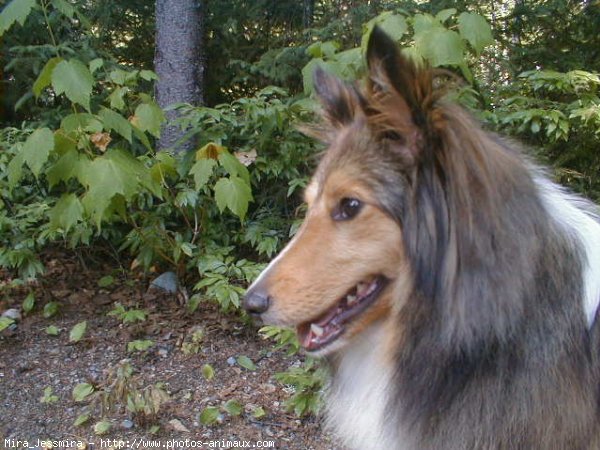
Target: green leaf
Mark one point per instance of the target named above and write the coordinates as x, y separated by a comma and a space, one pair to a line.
80, 122
202, 170
102, 427
209, 415
73, 79
149, 117
475, 29
50, 309
52, 330
233, 193
116, 98
81, 419
15, 11
66, 213
233, 166
77, 331
208, 372
106, 281
29, 302
81, 391
441, 47
445, 14
233, 407
5, 322
15, 168
70, 165
395, 26
148, 75
259, 412
36, 149
115, 121
118, 76
139, 345
44, 78
48, 396
423, 23
246, 362
115, 172
64, 7
95, 64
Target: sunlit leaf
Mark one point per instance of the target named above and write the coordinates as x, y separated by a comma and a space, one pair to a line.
208, 372
115, 121
77, 332
102, 427
29, 302
66, 213
36, 149
81, 391
233, 407
475, 29
209, 415
246, 362
202, 170
44, 78
149, 117
15, 11
73, 79
441, 47
233, 193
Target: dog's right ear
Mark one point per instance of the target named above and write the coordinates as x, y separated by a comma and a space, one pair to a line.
339, 100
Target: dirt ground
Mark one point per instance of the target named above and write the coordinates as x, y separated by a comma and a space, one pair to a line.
32, 360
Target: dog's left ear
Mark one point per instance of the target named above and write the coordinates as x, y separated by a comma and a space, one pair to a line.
339, 100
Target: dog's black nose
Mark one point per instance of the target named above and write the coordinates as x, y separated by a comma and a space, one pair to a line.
256, 302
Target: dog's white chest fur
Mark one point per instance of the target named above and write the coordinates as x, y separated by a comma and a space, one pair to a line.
356, 401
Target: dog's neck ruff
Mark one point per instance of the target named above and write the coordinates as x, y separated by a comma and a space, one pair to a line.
358, 396
576, 218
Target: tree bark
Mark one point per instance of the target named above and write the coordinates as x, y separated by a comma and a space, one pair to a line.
178, 62
308, 10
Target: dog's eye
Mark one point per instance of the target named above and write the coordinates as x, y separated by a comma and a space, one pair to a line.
347, 209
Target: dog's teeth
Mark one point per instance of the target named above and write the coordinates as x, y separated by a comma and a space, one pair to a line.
371, 288
351, 299
360, 287
316, 329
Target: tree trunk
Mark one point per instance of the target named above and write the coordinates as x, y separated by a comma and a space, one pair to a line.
178, 62
308, 11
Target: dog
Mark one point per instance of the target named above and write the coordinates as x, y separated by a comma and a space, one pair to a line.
452, 288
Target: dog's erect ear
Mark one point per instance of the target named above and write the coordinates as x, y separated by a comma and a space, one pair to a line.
339, 100
389, 69
398, 93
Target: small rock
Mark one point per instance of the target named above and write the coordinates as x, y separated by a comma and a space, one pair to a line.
127, 424
178, 426
167, 282
12, 313
269, 388
163, 352
231, 361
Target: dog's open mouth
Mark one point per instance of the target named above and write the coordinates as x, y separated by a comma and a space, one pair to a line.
325, 329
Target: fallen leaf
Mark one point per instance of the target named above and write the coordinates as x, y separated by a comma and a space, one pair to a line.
246, 158
101, 140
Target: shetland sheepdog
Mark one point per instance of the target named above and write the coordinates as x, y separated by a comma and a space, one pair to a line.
450, 285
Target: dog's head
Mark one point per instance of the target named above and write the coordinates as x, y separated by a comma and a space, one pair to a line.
378, 222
